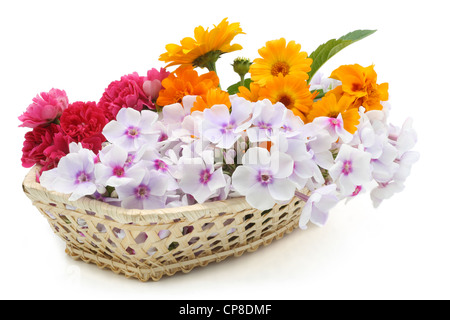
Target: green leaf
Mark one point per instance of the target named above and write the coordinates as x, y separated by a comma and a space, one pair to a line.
327, 50
233, 89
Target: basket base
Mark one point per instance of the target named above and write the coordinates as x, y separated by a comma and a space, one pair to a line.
156, 273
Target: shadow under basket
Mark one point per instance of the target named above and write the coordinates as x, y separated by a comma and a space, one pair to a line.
149, 244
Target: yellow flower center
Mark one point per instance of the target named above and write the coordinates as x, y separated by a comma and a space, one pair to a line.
280, 67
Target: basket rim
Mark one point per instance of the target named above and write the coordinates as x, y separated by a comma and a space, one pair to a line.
165, 215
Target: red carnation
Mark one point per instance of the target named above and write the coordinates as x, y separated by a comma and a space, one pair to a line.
45, 146
84, 122
126, 93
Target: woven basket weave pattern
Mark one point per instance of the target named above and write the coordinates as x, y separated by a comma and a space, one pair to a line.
152, 243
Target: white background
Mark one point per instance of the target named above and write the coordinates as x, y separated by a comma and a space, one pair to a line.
399, 251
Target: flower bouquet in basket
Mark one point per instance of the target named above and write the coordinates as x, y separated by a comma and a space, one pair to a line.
169, 171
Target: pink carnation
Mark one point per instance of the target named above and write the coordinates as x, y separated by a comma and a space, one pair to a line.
153, 85
46, 108
128, 92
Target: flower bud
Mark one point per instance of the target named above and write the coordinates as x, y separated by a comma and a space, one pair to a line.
241, 66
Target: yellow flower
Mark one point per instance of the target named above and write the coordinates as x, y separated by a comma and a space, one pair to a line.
250, 95
280, 59
331, 105
361, 84
205, 48
213, 96
291, 91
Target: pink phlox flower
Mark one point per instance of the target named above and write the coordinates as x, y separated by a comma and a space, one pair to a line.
132, 129
74, 174
351, 169
318, 205
335, 127
263, 178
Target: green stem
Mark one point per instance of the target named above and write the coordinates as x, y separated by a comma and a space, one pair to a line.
242, 80
211, 66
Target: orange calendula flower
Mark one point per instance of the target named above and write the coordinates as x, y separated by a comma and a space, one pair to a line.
205, 48
292, 92
185, 81
250, 95
361, 83
213, 96
277, 58
331, 105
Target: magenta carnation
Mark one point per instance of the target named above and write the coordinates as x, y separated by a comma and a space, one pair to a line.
83, 122
128, 92
45, 146
46, 108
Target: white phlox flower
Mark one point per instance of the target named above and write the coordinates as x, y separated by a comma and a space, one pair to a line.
117, 167
318, 205
305, 167
200, 178
320, 82
267, 120
224, 129
352, 169
150, 192
133, 129
74, 174
262, 178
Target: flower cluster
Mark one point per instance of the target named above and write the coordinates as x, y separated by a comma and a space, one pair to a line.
176, 139
55, 124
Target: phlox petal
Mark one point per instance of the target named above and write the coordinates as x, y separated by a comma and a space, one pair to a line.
257, 157
244, 178
260, 198
281, 165
282, 190
129, 117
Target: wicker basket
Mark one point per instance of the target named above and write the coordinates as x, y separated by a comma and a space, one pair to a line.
148, 244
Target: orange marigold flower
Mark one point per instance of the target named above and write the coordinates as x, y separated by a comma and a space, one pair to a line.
292, 92
213, 96
252, 94
280, 59
361, 83
183, 82
331, 105
206, 46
